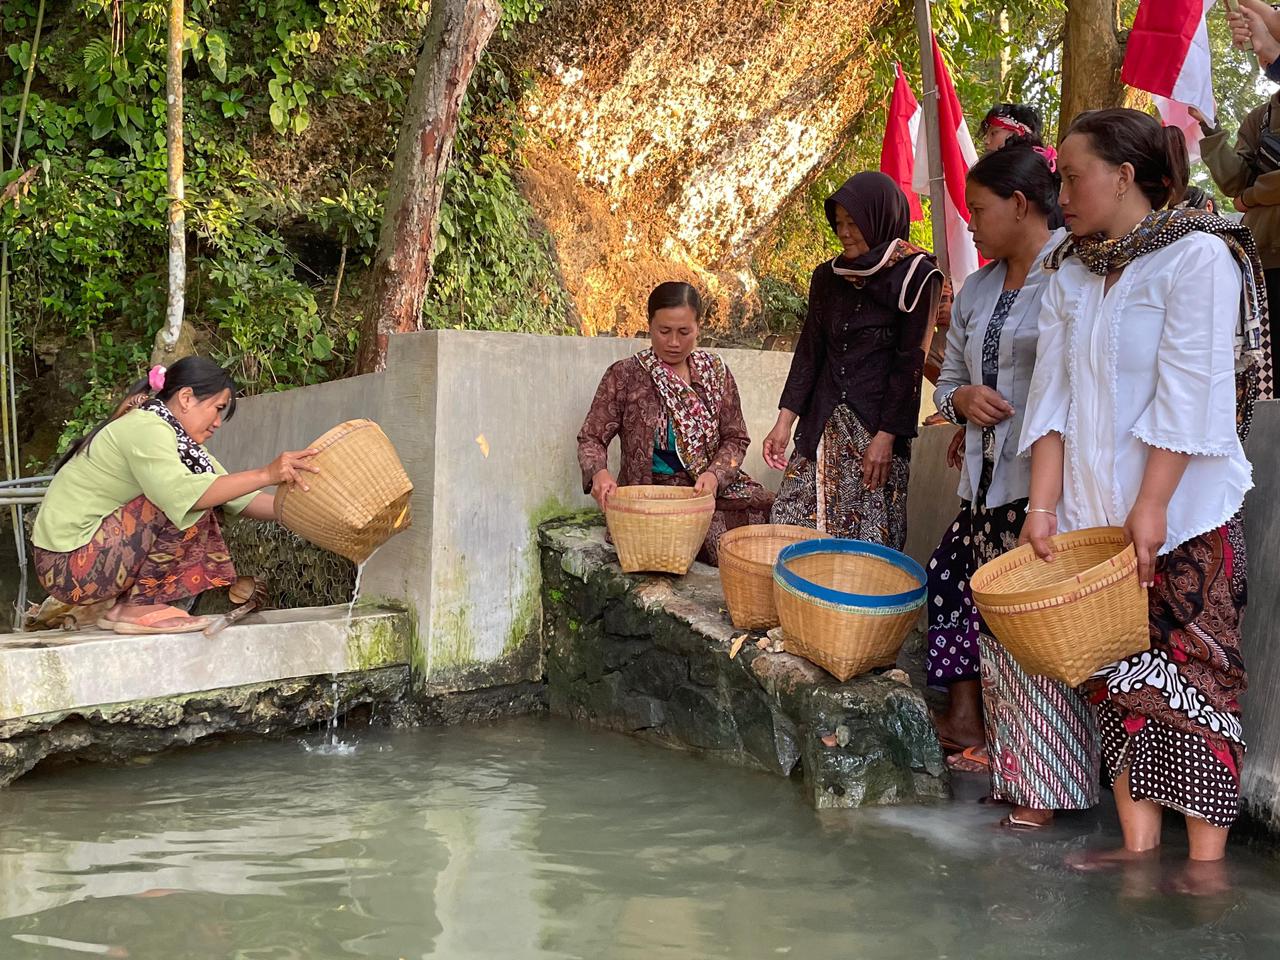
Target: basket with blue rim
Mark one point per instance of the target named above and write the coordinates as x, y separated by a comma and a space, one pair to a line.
846, 605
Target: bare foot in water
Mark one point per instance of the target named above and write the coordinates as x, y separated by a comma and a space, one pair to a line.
1201, 878
1094, 861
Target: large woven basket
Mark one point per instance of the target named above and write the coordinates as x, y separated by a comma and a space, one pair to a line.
747, 556
1067, 618
658, 529
358, 500
846, 605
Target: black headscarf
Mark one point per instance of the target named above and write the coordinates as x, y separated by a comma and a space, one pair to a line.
880, 210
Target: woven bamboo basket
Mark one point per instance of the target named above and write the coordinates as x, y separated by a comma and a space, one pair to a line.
658, 529
1067, 618
846, 605
358, 500
747, 556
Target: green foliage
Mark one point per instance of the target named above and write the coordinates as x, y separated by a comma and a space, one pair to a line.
494, 270
89, 241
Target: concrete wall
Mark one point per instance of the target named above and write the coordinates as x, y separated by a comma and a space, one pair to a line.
1261, 774
485, 424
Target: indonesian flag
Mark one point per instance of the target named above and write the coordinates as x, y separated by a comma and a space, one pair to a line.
898, 152
1168, 55
958, 155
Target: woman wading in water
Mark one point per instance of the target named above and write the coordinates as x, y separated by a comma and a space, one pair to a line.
1144, 383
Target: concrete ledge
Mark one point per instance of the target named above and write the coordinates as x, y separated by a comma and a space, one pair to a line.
49, 673
121, 731
649, 655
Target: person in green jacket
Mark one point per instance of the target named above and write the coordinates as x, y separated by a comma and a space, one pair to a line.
1246, 175
131, 516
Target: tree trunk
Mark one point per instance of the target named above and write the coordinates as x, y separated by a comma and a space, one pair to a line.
457, 32
170, 344
1092, 53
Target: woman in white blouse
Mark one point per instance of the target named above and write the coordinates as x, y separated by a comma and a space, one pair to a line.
1146, 365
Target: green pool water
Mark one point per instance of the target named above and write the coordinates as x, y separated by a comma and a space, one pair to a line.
536, 839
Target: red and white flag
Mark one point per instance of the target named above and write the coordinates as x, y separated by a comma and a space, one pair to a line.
898, 152
1167, 54
958, 155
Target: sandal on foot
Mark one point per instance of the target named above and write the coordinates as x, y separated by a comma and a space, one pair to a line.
1019, 825
146, 624
970, 760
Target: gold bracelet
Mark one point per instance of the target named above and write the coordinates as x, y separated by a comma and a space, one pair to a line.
1052, 513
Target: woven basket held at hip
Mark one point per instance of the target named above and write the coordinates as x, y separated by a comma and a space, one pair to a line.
747, 556
358, 500
658, 529
1066, 619
825, 621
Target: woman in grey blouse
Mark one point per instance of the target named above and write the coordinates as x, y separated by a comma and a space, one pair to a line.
1040, 739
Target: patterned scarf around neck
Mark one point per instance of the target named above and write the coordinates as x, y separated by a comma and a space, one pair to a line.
697, 427
193, 456
1161, 228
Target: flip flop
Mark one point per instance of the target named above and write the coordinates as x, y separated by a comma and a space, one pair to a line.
970, 760
145, 624
1018, 825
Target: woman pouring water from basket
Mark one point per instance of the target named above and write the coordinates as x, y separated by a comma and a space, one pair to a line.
1144, 383
1041, 746
677, 413
130, 517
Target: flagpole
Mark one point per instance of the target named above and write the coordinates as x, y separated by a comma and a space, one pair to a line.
929, 100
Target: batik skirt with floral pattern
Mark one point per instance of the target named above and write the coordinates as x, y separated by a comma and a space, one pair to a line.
1170, 716
1041, 734
828, 494
139, 556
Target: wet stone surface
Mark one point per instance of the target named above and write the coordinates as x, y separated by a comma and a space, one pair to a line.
649, 655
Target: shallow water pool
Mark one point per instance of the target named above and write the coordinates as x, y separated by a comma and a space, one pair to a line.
538, 839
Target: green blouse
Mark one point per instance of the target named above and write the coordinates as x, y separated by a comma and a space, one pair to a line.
136, 455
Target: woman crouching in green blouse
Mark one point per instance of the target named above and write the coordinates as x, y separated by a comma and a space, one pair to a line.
131, 514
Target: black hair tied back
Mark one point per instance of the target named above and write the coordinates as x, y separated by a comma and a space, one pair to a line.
1023, 166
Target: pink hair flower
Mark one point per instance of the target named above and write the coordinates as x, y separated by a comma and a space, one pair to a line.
155, 378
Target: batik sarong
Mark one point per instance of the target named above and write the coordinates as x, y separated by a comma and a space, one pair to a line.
1041, 734
1170, 715
827, 493
139, 556
953, 619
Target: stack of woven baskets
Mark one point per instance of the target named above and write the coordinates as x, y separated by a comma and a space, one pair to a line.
358, 500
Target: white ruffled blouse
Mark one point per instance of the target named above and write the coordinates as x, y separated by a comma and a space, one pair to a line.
1149, 364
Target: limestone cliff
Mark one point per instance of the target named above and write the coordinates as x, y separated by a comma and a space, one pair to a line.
667, 137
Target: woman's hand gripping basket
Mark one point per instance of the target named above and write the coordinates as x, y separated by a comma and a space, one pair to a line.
358, 500
1066, 618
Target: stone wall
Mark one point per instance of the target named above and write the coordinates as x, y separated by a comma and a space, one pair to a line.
655, 656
